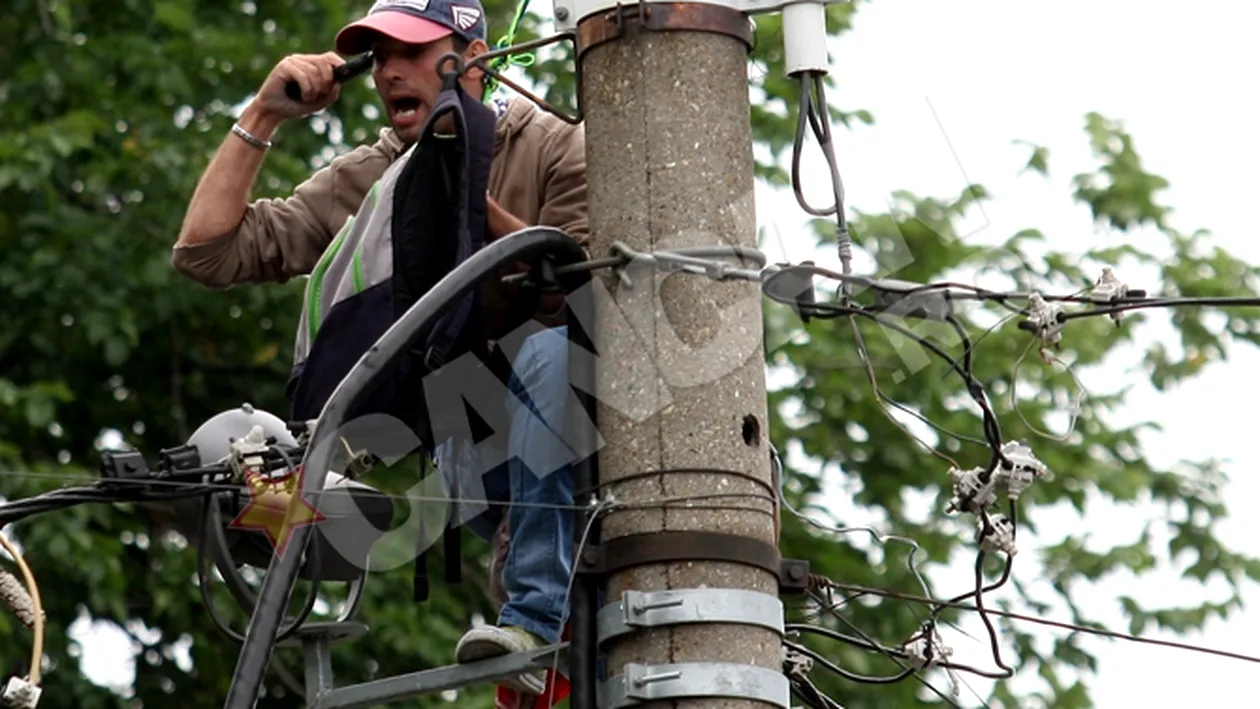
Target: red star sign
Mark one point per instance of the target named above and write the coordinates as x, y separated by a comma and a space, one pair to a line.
276, 507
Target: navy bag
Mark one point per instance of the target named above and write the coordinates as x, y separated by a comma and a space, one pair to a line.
435, 204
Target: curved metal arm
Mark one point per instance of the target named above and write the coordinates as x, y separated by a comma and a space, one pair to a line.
458, 66
251, 665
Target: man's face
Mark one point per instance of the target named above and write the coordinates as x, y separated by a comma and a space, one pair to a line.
406, 77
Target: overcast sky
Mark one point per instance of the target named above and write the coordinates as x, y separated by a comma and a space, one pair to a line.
965, 79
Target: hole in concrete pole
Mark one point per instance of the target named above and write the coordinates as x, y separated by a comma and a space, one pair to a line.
751, 430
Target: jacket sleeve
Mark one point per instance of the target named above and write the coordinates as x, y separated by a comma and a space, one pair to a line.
564, 183
279, 239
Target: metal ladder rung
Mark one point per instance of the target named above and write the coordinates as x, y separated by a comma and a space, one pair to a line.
440, 679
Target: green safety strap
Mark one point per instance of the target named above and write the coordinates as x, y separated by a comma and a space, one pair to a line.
521, 59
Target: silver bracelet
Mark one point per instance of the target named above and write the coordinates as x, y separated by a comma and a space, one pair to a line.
250, 138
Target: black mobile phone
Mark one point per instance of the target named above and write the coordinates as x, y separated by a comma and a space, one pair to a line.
341, 75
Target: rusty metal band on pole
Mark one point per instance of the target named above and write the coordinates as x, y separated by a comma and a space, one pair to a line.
602, 27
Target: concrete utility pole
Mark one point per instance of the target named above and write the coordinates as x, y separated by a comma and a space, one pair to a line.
670, 164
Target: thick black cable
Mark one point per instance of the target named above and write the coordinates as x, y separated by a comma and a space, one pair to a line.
847, 674
977, 293
203, 588
810, 694
863, 644
1073, 627
821, 129
892, 656
806, 119
14, 511
203, 575
992, 430
813, 112
586, 588
1121, 305
980, 589
994, 643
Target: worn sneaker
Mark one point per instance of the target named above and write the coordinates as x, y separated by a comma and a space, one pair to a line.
489, 641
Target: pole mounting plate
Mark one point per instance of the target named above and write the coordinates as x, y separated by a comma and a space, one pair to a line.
616, 20
623, 553
651, 609
568, 13
650, 683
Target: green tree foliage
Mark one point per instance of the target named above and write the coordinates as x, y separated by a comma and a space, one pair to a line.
113, 109
831, 413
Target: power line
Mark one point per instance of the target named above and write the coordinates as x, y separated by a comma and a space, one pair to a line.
1102, 632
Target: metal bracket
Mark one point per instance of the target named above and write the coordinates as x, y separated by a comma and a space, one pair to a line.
638, 609
400, 688
568, 13
649, 683
612, 22
627, 552
793, 576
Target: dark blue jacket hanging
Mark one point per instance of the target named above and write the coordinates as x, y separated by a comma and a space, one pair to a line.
425, 216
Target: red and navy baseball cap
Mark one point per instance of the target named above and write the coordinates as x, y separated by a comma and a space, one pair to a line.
414, 22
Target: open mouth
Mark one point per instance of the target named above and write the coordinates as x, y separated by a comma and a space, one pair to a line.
406, 106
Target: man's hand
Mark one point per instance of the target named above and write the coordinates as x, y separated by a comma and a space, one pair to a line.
313, 73
499, 221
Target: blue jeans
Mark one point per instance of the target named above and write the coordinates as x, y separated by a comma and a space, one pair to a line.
527, 474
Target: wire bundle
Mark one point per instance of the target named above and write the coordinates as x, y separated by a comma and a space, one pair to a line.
1044, 318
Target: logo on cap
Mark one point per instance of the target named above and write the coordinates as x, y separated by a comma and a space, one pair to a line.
465, 16
417, 5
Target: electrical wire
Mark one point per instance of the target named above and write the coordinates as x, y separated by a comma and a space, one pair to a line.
863, 644
949, 291
992, 430
601, 507
883, 539
100, 493
813, 697
37, 609
681, 501
910, 671
1081, 394
813, 112
847, 674
204, 581
810, 110
1076, 628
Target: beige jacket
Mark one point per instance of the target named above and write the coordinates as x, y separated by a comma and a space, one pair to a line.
538, 174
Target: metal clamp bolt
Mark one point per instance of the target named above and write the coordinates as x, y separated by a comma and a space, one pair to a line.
638, 609
652, 683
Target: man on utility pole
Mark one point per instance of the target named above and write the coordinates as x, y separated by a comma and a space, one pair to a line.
670, 165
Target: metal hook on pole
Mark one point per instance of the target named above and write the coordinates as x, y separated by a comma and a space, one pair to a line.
483, 61
457, 68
